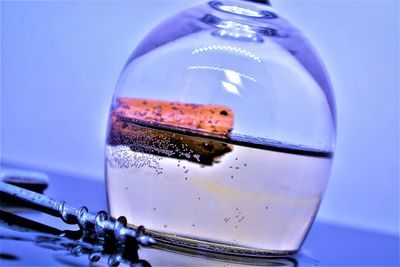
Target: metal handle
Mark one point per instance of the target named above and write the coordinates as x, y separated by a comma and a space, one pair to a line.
98, 223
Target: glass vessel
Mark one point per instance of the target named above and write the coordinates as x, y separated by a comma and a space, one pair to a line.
221, 132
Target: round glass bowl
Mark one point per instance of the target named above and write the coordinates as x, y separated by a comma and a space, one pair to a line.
221, 132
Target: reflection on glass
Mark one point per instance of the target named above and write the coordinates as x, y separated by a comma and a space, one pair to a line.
228, 48
229, 73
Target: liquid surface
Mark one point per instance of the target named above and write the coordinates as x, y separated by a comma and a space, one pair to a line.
239, 193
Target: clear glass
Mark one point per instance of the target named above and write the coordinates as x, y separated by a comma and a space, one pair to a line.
221, 132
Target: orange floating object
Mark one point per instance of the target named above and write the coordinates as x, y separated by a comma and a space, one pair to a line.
215, 119
130, 117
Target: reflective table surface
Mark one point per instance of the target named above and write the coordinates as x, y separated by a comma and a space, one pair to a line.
30, 238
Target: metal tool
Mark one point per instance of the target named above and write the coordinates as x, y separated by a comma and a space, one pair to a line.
75, 243
98, 223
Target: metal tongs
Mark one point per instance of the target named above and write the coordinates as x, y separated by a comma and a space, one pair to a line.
99, 224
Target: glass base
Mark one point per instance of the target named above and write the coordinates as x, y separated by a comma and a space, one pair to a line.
184, 244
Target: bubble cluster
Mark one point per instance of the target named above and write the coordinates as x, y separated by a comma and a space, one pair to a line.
123, 157
147, 147
235, 219
234, 168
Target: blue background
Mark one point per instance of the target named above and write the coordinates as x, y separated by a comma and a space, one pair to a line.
60, 62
